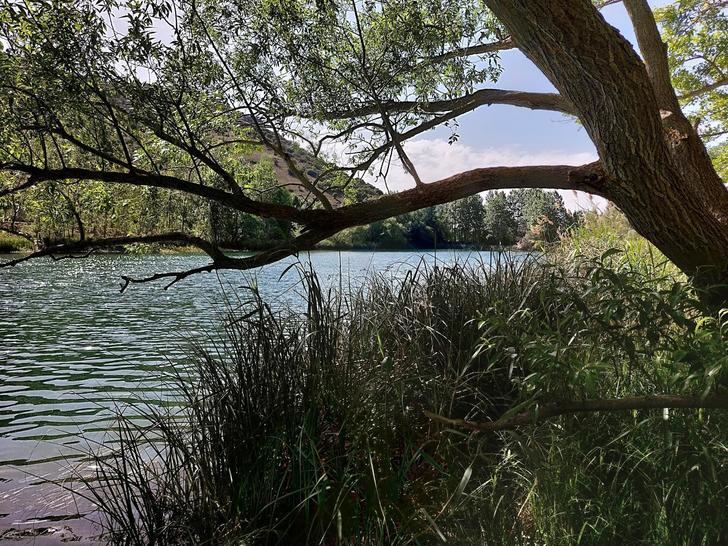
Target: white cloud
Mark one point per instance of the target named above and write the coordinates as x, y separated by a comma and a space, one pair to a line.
435, 159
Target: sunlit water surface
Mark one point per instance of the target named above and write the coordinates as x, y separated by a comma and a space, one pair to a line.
73, 348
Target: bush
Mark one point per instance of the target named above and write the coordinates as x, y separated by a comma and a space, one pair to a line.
13, 243
308, 425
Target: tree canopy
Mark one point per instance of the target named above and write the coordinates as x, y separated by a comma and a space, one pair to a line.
189, 96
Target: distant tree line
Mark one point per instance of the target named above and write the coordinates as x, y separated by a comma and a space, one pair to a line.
523, 217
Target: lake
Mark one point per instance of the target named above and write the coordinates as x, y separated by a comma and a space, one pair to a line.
73, 348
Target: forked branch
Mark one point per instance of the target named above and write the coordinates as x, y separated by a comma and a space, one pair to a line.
221, 261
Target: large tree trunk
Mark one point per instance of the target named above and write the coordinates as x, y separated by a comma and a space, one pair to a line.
658, 171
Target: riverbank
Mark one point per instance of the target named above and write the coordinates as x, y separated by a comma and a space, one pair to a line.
367, 446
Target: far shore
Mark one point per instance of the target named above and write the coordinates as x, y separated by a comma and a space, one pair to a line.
150, 250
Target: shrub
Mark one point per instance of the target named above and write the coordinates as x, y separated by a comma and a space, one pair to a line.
12, 243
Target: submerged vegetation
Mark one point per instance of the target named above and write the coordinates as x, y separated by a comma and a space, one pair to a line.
320, 425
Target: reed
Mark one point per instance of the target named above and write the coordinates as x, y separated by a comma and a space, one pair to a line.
307, 425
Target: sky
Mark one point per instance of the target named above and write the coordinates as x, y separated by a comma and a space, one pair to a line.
500, 135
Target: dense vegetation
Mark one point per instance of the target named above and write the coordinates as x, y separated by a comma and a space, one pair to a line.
309, 425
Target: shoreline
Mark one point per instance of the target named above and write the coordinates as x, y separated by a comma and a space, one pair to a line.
178, 250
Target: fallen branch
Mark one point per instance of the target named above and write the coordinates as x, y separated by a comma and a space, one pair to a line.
555, 409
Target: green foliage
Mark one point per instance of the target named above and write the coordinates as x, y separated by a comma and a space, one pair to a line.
540, 216
12, 243
527, 217
464, 220
719, 155
307, 426
500, 222
696, 32
600, 233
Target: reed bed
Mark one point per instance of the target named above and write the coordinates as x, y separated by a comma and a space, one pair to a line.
307, 426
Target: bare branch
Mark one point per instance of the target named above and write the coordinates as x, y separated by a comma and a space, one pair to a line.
555, 409
175, 276
480, 49
481, 97
305, 241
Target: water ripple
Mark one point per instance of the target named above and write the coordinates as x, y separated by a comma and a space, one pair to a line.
72, 349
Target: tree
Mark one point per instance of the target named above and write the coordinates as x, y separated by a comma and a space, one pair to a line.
533, 207
168, 98
500, 223
463, 220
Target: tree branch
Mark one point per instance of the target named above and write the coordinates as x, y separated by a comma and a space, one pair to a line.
493, 47
325, 223
143, 178
555, 409
303, 242
480, 49
94, 244
322, 223
523, 99
654, 53
705, 89
588, 178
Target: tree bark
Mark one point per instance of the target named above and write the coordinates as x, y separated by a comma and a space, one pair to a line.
659, 173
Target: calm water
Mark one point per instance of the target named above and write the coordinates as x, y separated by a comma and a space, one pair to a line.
72, 348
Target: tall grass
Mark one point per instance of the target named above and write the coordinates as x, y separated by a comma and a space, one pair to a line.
306, 426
